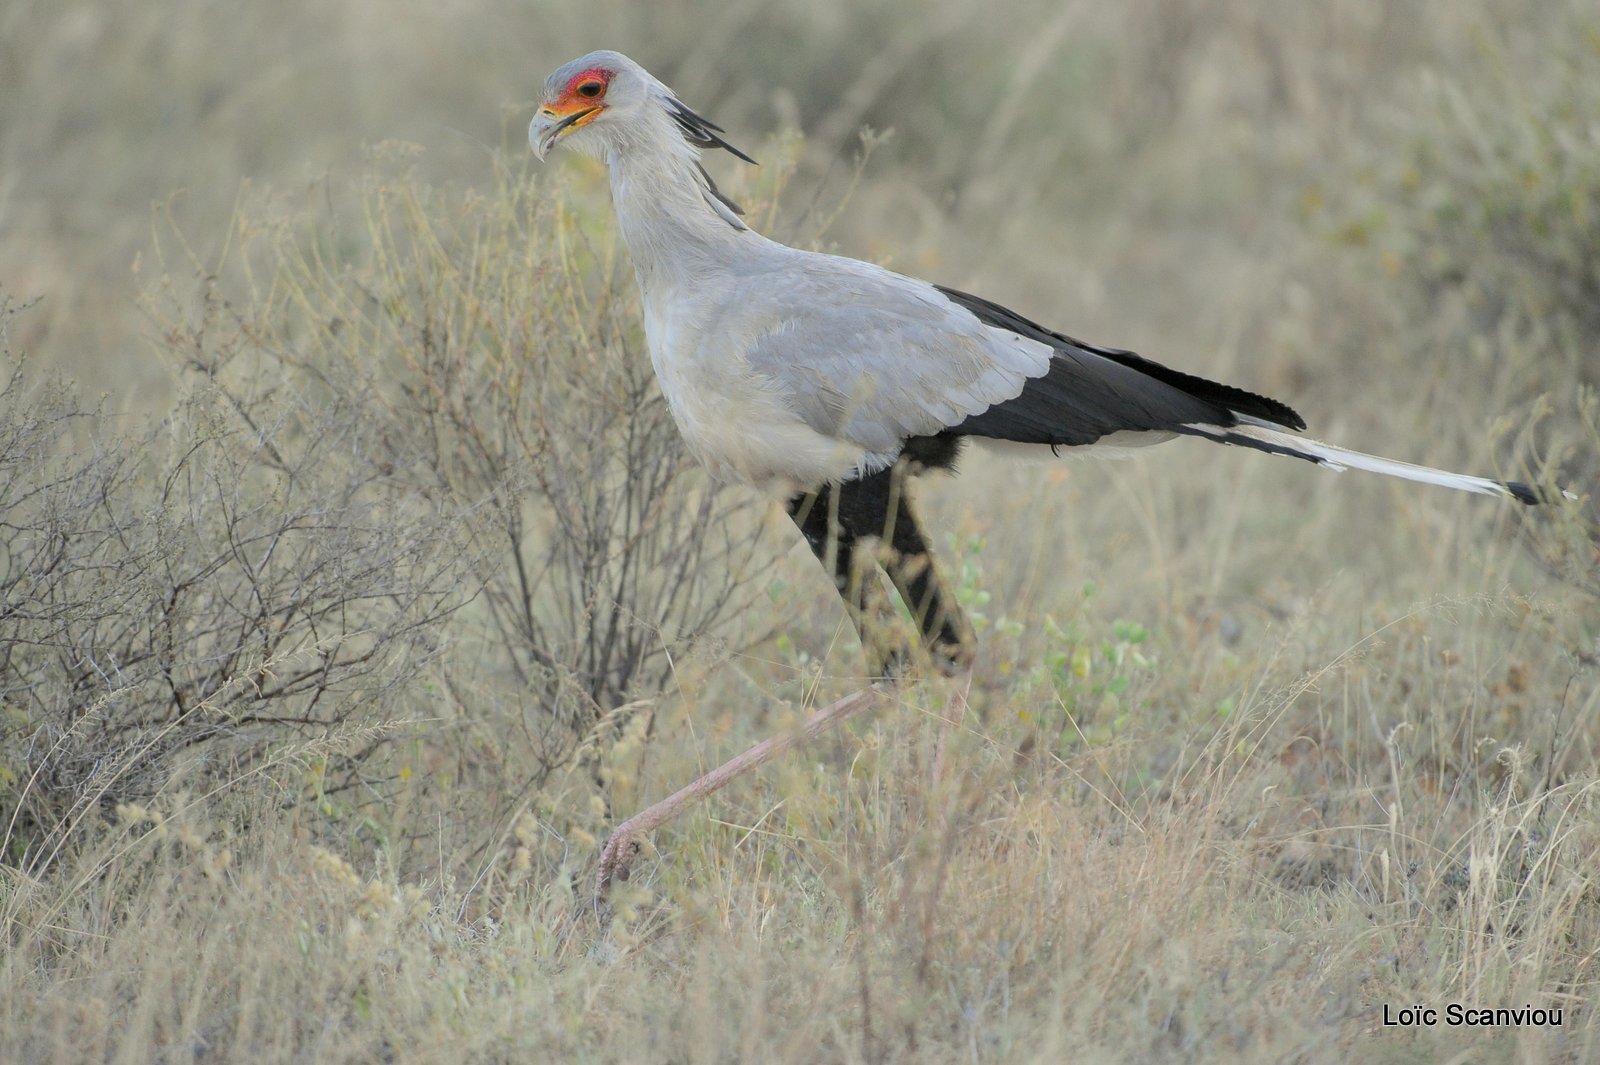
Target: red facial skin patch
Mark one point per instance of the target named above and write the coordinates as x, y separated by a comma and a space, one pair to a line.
571, 95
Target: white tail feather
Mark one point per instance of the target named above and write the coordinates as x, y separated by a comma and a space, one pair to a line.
1340, 459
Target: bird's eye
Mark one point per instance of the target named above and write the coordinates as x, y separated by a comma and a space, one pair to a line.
590, 89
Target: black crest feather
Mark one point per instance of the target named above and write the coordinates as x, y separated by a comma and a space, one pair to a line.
701, 131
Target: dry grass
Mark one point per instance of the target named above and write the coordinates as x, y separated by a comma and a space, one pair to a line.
1254, 750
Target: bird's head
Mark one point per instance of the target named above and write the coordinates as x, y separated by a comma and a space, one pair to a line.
598, 100
586, 97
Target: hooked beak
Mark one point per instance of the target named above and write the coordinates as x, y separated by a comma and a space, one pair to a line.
548, 127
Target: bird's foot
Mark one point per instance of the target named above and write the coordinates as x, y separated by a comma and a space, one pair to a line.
616, 859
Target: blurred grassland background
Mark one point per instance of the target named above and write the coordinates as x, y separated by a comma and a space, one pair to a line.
354, 584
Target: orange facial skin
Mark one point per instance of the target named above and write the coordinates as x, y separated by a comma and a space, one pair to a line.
582, 100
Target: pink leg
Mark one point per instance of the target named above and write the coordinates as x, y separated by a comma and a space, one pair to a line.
949, 721
623, 843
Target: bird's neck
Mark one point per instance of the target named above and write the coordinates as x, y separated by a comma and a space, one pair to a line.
671, 227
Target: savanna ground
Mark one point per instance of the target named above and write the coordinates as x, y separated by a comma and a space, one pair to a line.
353, 583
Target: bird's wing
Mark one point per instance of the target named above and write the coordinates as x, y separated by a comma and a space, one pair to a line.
869, 356
1090, 392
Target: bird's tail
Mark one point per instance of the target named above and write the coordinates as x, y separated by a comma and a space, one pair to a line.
1339, 459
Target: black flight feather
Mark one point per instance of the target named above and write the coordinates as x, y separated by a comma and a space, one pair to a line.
1090, 392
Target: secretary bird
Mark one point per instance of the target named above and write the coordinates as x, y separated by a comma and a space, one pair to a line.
836, 380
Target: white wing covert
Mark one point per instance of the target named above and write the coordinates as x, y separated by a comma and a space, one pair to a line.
871, 357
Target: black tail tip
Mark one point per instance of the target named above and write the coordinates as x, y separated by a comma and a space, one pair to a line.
1523, 493
1532, 496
